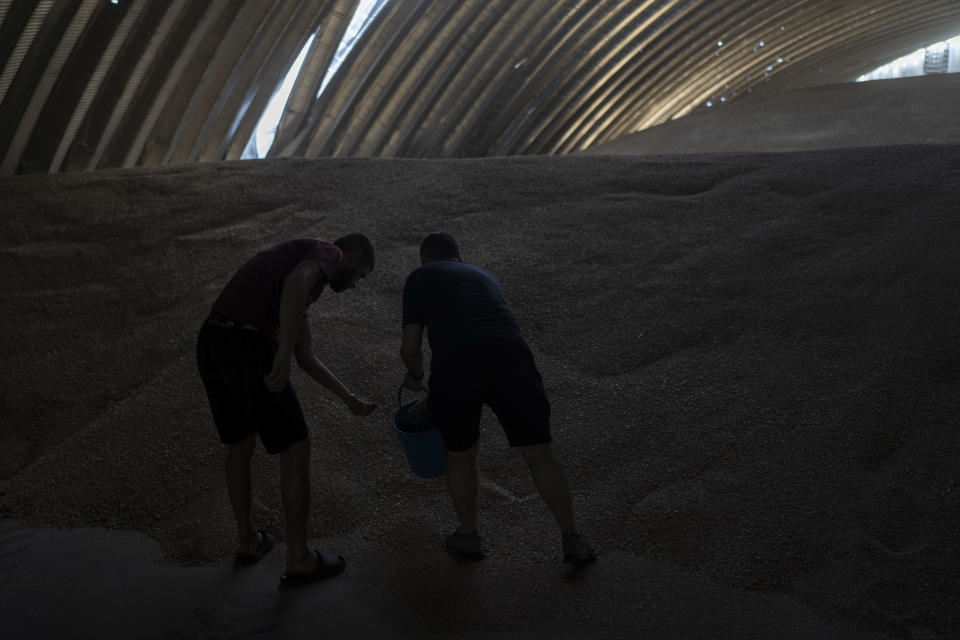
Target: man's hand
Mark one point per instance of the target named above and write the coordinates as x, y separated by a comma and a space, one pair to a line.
280, 373
413, 384
360, 407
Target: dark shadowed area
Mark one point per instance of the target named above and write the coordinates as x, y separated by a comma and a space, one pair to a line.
753, 361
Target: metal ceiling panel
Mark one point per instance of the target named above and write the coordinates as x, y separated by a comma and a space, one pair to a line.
92, 84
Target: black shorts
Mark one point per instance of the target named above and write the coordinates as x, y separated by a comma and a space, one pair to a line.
499, 373
232, 363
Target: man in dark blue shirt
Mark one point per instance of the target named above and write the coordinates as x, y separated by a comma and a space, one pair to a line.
479, 356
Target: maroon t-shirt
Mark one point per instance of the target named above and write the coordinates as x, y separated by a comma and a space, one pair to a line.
253, 294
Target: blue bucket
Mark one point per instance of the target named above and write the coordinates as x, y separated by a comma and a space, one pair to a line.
421, 440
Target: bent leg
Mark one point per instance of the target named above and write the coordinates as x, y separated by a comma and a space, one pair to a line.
462, 484
295, 492
551, 482
240, 488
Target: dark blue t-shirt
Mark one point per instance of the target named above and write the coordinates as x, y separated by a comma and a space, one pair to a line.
459, 304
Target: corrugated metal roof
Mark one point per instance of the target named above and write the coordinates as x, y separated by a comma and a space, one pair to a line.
90, 84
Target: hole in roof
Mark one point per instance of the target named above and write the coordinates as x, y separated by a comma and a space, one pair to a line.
266, 130
939, 57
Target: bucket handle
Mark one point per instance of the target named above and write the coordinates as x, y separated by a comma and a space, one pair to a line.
400, 393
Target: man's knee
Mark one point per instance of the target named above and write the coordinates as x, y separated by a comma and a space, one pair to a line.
465, 455
297, 450
245, 447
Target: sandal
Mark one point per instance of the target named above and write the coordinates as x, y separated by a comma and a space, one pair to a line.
267, 541
327, 567
577, 550
466, 545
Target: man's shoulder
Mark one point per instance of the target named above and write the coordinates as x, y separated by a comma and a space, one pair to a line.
413, 275
446, 271
454, 266
314, 244
326, 254
304, 245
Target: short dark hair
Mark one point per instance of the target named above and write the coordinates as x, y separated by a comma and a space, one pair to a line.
358, 243
439, 246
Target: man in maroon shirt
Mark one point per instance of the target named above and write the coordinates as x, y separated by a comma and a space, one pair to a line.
256, 327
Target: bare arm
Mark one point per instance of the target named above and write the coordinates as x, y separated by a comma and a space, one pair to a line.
303, 350
411, 352
293, 300
295, 339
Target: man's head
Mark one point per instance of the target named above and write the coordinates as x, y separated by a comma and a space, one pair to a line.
439, 246
358, 261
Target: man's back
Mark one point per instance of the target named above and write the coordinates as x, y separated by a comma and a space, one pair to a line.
460, 304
